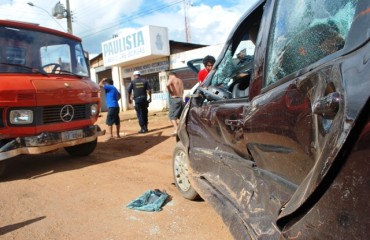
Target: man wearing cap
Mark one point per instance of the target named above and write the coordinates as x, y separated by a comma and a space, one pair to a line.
142, 95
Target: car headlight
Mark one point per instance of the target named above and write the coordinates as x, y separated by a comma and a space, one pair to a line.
94, 109
21, 116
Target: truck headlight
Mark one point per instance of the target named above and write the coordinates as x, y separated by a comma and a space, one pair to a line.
21, 116
94, 109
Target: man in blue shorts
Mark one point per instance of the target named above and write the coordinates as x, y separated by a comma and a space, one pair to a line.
112, 96
175, 88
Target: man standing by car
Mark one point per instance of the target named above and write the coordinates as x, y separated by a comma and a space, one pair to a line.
142, 95
175, 88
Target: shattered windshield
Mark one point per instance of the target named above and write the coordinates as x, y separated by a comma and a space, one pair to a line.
313, 30
26, 51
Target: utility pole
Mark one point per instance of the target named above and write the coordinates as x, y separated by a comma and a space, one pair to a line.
187, 27
69, 18
33, 5
60, 12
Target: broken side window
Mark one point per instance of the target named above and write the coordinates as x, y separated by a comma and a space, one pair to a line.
314, 30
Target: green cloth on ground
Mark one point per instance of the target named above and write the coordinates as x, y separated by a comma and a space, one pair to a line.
150, 201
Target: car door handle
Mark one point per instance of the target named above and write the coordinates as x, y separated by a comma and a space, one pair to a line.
327, 106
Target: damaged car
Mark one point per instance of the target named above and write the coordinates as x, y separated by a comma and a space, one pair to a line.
277, 138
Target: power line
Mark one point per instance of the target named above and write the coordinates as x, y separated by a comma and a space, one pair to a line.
136, 15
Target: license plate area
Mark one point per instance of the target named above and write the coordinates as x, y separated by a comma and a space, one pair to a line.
71, 135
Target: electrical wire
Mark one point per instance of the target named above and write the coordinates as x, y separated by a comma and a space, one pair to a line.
129, 18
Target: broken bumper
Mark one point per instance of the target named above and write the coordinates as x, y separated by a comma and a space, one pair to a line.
49, 141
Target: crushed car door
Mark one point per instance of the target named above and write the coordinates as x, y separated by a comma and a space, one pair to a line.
297, 122
270, 150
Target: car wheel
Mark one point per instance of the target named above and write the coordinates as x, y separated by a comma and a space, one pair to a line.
180, 172
82, 150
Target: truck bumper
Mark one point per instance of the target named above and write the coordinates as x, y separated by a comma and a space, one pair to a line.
49, 141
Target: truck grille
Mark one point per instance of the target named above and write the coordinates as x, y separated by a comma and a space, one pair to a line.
52, 114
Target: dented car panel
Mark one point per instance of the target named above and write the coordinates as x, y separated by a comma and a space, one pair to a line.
287, 157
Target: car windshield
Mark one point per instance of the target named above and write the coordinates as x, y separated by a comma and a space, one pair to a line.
27, 51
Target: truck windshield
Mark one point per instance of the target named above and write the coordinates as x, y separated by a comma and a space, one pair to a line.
29, 51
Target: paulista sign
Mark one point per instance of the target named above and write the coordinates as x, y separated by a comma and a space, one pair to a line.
147, 43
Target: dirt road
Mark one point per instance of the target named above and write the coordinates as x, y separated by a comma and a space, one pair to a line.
55, 196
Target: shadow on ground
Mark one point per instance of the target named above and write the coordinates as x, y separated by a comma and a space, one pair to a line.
35, 166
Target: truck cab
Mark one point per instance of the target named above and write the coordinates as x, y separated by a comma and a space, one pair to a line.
47, 99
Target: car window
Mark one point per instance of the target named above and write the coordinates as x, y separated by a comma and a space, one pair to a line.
312, 31
234, 63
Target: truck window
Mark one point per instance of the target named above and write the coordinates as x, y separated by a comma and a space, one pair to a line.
26, 51
15, 55
81, 66
55, 55
301, 37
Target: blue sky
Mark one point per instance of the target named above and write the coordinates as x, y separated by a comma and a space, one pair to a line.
95, 21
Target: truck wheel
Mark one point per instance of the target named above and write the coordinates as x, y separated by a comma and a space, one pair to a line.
2, 167
83, 149
180, 172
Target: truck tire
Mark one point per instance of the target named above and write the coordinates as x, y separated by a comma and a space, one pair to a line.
82, 149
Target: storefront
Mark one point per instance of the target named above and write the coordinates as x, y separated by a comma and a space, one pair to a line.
145, 49
148, 50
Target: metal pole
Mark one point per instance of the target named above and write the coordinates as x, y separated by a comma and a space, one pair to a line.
69, 18
187, 27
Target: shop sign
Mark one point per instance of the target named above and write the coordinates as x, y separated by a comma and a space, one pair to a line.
146, 41
148, 68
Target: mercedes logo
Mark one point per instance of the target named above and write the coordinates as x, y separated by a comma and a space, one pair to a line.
67, 113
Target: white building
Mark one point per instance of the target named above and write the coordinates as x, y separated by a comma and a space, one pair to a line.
148, 50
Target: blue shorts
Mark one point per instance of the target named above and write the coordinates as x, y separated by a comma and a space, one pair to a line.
113, 116
176, 107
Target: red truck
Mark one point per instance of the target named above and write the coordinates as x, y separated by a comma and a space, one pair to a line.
47, 99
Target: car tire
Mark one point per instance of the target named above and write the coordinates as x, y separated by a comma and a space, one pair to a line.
180, 172
83, 149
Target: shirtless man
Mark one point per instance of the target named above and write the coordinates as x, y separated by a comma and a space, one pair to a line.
175, 88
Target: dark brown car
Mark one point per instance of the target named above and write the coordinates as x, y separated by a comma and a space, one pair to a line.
277, 138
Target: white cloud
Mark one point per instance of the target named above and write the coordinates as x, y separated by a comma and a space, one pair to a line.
96, 21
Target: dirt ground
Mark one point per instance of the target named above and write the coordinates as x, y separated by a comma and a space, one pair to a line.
55, 196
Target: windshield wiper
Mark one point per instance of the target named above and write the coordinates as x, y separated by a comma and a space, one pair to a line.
33, 70
68, 72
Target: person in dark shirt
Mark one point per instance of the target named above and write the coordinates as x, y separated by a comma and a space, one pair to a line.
142, 95
112, 96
